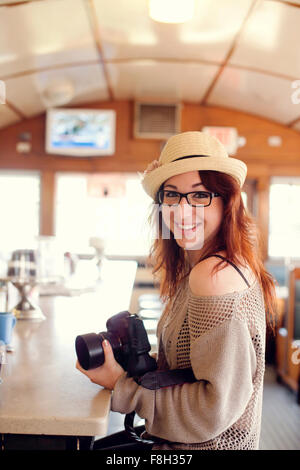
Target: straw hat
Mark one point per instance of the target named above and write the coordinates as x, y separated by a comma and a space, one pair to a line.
191, 151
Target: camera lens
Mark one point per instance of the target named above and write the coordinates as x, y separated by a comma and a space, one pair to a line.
89, 349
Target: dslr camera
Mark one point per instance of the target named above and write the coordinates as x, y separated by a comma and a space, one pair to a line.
128, 338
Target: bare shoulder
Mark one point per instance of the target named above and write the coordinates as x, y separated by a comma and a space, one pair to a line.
204, 281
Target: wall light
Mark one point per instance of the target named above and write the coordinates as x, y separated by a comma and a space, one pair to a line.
171, 11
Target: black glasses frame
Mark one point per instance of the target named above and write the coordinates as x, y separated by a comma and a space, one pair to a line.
185, 195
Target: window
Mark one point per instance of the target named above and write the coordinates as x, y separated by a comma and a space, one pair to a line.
19, 210
284, 226
245, 198
109, 206
71, 214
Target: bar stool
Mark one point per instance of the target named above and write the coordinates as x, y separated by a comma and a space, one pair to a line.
149, 301
150, 325
150, 314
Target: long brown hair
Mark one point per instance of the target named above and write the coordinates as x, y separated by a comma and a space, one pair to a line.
238, 236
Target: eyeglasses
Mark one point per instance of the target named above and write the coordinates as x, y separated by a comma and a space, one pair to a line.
195, 198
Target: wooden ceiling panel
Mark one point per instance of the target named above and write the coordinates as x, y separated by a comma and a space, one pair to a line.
255, 93
160, 81
44, 34
270, 39
291, 2
13, 2
241, 54
7, 116
32, 94
127, 31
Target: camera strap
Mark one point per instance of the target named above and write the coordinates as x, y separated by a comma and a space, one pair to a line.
157, 379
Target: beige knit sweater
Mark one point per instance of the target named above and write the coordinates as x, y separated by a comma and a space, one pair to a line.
222, 338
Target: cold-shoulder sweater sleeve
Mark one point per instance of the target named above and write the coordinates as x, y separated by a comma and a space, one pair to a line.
224, 362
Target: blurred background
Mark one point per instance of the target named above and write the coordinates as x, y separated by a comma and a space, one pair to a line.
90, 92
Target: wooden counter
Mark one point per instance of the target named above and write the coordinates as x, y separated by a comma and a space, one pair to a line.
42, 392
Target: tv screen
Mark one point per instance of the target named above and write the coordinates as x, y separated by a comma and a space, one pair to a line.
80, 132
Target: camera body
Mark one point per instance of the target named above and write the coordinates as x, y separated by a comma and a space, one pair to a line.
128, 338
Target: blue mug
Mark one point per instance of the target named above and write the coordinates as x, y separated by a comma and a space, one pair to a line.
7, 323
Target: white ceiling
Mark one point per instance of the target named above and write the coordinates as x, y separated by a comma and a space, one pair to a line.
240, 54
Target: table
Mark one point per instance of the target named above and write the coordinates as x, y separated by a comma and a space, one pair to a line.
42, 392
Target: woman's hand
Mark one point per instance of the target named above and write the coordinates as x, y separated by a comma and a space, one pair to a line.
107, 374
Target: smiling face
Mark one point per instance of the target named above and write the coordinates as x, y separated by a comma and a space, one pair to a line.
191, 226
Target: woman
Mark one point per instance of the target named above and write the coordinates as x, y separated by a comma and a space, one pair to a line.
216, 292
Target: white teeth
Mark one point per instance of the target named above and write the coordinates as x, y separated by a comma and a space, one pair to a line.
186, 227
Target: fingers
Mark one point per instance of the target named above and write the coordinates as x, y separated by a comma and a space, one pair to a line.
108, 352
109, 358
107, 374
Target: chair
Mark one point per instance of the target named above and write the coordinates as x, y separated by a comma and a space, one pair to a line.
149, 301
149, 314
279, 271
288, 338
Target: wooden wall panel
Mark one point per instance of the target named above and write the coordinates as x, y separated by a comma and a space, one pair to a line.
263, 187
133, 154
47, 205
130, 155
256, 131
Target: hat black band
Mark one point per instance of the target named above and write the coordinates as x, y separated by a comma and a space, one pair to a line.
190, 156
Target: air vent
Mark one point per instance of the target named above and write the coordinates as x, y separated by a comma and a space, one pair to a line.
156, 121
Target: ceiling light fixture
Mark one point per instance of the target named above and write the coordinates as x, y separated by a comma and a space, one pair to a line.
58, 93
171, 11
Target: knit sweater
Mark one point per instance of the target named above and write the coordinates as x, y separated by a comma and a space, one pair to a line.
222, 337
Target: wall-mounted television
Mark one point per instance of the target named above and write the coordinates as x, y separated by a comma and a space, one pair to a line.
80, 132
